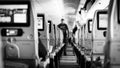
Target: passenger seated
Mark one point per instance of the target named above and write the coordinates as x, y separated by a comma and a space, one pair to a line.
97, 63
42, 51
74, 31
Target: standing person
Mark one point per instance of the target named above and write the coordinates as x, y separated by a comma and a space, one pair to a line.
64, 28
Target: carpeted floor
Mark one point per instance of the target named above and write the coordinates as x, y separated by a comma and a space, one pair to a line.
70, 60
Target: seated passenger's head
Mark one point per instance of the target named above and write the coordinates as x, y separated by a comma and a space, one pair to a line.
49, 21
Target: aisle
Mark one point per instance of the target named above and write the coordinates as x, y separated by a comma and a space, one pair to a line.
70, 60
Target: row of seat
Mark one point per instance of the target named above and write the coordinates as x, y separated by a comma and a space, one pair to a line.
98, 44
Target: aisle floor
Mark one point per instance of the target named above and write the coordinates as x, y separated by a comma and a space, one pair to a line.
69, 60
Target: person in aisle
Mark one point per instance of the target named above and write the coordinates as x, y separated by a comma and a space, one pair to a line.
65, 30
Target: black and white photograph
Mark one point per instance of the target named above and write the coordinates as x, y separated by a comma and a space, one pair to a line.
59, 33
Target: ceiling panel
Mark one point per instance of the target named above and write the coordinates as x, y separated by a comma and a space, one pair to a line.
71, 4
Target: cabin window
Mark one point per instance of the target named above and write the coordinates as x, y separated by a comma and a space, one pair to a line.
14, 13
102, 20
84, 28
90, 25
40, 22
50, 26
54, 28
